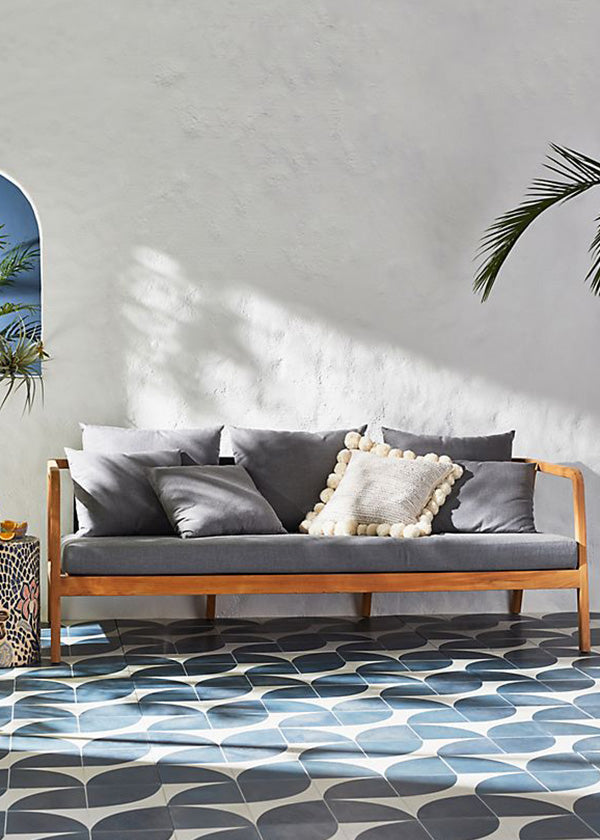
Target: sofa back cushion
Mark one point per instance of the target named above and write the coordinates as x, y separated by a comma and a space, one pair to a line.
478, 448
289, 468
489, 497
212, 501
202, 445
113, 496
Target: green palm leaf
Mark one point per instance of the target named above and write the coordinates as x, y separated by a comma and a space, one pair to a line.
31, 326
18, 260
9, 308
593, 274
577, 173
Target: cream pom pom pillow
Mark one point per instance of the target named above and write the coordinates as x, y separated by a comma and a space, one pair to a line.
378, 491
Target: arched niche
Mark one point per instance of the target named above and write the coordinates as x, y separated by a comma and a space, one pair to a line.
20, 261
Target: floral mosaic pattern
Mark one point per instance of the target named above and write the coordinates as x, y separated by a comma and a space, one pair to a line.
20, 602
449, 728
29, 602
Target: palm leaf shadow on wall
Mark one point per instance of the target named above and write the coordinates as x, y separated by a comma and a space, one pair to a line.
21, 348
578, 173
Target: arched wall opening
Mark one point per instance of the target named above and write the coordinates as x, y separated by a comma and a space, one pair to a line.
20, 261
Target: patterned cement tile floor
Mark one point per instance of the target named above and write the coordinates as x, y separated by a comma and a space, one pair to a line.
415, 728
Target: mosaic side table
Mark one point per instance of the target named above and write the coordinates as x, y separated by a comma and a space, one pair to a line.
20, 602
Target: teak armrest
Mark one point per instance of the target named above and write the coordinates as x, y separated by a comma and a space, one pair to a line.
54, 551
55, 465
576, 478
583, 594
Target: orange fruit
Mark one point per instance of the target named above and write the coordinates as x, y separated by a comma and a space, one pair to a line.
15, 529
6, 535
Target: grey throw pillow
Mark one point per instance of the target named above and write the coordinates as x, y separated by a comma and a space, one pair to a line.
490, 497
289, 468
202, 445
212, 501
479, 448
113, 496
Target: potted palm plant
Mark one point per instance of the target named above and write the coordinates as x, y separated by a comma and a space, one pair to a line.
577, 173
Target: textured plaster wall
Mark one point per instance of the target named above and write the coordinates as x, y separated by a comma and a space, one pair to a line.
265, 213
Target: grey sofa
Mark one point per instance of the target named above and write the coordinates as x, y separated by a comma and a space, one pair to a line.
297, 563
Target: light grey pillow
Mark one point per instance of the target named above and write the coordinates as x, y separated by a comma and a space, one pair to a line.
211, 501
289, 468
113, 496
479, 448
202, 445
490, 497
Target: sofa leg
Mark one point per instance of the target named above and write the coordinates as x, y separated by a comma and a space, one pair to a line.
54, 609
583, 612
211, 606
367, 599
516, 601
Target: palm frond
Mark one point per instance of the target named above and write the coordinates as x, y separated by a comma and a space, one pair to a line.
593, 274
9, 308
21, 349
577, 173
30, 326
18, 260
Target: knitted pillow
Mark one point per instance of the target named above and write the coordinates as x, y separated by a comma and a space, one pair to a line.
378, 491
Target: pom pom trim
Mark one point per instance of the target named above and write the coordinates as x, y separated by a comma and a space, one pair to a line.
396, 530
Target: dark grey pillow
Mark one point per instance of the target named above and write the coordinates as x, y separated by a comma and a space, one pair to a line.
490, 497
211, 501
202, 445
482, 448
113, 496
289, 468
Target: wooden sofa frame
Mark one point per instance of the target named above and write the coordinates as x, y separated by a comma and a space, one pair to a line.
62, 584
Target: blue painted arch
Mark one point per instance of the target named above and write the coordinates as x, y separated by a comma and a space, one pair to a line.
21, 228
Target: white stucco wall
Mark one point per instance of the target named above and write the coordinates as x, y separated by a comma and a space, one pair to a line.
265, 213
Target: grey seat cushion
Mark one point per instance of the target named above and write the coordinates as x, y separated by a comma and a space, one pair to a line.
298, 553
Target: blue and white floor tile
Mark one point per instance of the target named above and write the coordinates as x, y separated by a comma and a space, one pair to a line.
451, 728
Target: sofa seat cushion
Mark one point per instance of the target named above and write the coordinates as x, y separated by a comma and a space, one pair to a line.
298, 554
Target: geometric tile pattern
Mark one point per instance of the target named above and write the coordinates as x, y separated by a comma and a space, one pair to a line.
389, 728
